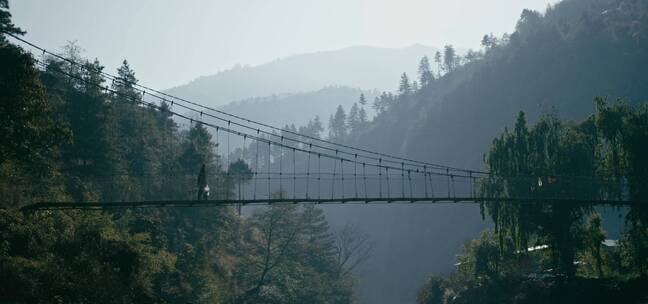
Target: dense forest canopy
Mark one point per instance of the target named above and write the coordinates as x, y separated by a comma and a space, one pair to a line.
554, 63
538, 248
63, 135
559, 60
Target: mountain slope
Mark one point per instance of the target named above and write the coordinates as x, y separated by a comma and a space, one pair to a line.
361, 67
553, 63
298, 108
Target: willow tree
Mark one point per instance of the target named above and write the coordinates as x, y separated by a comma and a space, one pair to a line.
550, 161
624, 132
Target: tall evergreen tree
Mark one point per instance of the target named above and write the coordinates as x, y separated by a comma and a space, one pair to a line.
362, 100
438, 60
318, 238
353, 120
449, 58
404, 87
124, 85
362, 117
425, 72
28, 129
6, 26
338, 125
382, 102
86, 112
313, 128
198, 149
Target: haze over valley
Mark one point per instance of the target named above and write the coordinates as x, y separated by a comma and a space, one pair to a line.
372, 152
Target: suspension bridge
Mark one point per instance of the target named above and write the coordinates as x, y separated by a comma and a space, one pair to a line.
286, 167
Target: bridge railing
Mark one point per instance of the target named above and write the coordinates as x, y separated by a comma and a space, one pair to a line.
312, 187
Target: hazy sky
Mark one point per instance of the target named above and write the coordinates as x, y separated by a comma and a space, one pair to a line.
171, 42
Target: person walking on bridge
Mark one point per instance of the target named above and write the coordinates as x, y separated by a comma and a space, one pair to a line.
203, 187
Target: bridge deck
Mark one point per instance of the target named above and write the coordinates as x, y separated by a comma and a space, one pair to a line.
340, 201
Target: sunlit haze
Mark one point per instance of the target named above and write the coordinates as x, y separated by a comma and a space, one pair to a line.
173, 42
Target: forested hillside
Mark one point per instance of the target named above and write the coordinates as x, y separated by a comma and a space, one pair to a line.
558, 251
555, 62
67, 135
362, 67
297, 109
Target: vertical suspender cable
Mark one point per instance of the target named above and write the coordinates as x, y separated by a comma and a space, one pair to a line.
256, 166
364, 177
333, 178
388, 187
240, 178
403, 180
268, 171
448, 178
380, 177
425, 180
431, 184
308, 169
220, 185
294, 176
409, 179
355, 175
281, 189
342, 174
454, 193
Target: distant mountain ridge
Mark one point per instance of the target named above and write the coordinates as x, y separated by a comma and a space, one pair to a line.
361, 67
297, 108
554, 63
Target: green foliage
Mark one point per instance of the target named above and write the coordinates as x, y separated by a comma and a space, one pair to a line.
486, 259
450, 58
292, 260
28, 130
624, 134
425, 72
539, 163
594, 256
313, 128
404, 87
553, 161
338, 125
6, 26
45, 255
65, 138
432, 292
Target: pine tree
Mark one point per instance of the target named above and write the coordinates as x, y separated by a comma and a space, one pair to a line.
314, 128
449, 58
404, 88
438, 60
198, 150
92, 78
425, 72
320, 243
363, 100
28, 130
353, 120
6, 26
382, 102
85, 109
72, 51
338, 125
124, 84
362, 117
